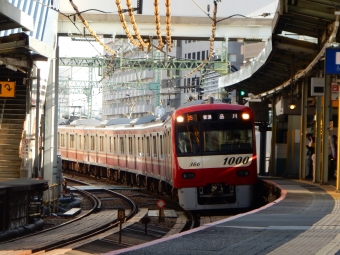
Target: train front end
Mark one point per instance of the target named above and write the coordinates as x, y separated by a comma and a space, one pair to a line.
215, 161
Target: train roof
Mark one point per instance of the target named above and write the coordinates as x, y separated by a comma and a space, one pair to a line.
214, 104
143, 120
117, 121
199, 102
85, 122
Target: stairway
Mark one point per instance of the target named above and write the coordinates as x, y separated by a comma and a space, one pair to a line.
12, 117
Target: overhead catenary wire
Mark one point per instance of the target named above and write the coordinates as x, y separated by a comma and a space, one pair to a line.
212, 39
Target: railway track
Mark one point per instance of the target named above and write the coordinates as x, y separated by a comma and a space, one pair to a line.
105, 234
95, 221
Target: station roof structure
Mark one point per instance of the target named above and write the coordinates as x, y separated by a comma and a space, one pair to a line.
303, 30
17, 50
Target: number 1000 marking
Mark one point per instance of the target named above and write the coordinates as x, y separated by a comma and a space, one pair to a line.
236, 160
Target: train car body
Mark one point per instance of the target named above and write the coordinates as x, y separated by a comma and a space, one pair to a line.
203, 153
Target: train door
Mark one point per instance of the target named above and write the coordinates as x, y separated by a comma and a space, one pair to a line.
130, 153
161, 155
167, 151
122, 158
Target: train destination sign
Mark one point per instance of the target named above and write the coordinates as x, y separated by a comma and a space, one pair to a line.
7, 88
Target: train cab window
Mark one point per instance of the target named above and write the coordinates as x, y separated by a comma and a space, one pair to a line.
71, 141
154, 145
227, 140
92, 143
101, 143
148, 146
62, 140
121, 145
188, 139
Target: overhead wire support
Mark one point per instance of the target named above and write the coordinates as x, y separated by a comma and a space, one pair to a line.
90, 30
140, 43
212, 39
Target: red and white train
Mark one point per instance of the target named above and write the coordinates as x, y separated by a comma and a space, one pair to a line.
203, 153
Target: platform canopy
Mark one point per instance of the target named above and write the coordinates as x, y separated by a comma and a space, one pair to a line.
189, 19
304, 29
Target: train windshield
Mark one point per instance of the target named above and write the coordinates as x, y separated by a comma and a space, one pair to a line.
214, 137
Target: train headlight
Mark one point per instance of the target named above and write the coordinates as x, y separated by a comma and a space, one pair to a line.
245, 116
242, 173
180, 119
188, 175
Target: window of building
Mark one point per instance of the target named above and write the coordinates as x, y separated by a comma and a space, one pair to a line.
203, 55
232, 57
198, 55
194, 55
185, 55
189, 55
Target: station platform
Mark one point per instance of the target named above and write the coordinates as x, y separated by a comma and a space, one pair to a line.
304, 220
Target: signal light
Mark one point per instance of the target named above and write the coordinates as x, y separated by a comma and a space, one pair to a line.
243, 93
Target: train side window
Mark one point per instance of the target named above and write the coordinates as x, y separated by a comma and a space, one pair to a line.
72, 141
101, 143
161, 146
110, 144
130, 146
165, 142
140, 146
79, 142
92, 143
58, 140
121, 144
115, 145
169, 143
154, 144
62, 140
148, 146
85, 143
